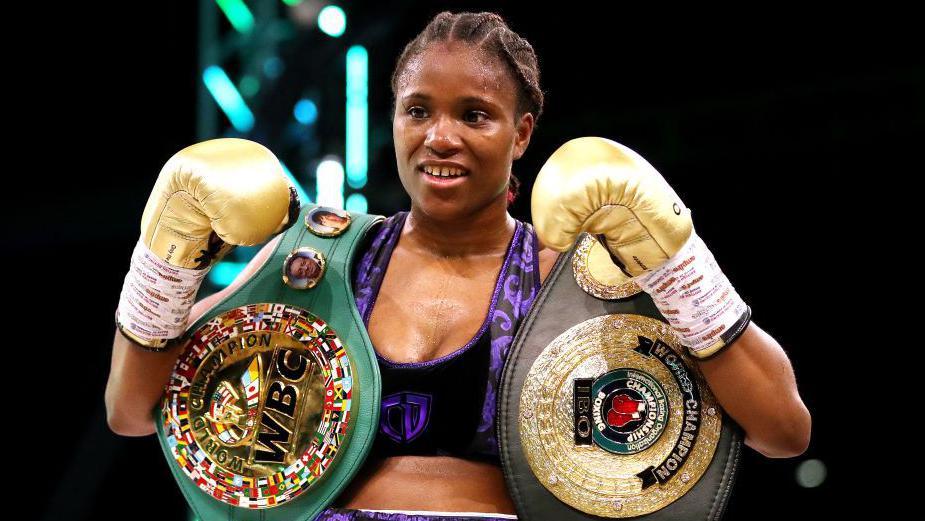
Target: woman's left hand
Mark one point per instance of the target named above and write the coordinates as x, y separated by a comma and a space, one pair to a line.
599, 186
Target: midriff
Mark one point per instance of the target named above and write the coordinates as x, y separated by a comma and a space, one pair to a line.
440, 483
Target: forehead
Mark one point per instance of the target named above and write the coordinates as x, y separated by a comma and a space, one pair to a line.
456, 71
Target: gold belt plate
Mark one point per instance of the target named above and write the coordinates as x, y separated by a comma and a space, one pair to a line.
615, 419
258, 404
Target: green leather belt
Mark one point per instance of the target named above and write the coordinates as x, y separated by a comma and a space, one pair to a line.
279, 416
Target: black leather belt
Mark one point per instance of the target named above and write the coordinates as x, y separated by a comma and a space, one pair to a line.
603, 413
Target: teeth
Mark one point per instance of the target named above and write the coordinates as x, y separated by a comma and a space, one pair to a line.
443, 171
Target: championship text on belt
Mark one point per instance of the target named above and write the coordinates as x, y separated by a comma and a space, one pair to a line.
602, 412
273, 404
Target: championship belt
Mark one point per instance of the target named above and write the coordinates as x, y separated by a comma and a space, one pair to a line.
273, 403
603, 413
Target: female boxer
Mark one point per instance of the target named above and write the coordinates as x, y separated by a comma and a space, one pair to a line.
444, 285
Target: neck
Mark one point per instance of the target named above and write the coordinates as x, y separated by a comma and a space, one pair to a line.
485, 232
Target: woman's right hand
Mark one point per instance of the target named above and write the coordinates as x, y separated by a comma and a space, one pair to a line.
137, 377
208, 198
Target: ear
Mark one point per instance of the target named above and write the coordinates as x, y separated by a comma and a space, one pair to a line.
524, 132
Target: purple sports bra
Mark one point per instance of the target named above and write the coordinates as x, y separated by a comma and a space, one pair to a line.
446, 406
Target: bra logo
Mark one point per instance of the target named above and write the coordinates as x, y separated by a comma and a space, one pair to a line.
404, 416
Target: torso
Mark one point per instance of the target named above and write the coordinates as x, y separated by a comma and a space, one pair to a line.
420, 314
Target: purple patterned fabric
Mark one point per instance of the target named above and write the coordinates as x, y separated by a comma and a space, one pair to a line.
369, 274
521, 285
516, 288
347, 514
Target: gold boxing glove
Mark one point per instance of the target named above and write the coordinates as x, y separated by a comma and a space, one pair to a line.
599, 186
208, 198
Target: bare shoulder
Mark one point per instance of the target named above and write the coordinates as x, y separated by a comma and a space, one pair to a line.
548, 258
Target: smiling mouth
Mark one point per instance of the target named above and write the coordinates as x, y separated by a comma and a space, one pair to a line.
443, 174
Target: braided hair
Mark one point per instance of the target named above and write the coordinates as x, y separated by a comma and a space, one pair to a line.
488, 32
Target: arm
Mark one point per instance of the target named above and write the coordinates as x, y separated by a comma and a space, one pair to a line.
601, 187
207, 198
137, 377
754, 382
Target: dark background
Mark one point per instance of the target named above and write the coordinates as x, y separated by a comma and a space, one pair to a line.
780, 127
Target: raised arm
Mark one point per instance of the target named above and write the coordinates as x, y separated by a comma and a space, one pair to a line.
754, 381
137, 377
598, 186
208, 198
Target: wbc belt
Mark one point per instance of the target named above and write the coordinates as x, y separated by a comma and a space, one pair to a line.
602, 411
273, 403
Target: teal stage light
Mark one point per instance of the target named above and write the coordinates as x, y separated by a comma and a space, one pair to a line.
228, 98
357, 116
357, 203
238, 15
306, 112
332, 21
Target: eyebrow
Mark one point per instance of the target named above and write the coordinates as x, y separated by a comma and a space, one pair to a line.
467, 99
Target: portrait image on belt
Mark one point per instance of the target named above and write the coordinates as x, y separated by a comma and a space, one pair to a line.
303, 268
326, 221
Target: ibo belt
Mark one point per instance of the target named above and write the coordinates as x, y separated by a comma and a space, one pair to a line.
603, 413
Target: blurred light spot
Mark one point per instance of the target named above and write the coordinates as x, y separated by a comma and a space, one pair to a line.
357, 203
306, 112
330, 182
332, 21
811, 473
249, 86
304, 14
273, 67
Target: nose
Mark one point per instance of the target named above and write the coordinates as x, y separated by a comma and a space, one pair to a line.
442, 137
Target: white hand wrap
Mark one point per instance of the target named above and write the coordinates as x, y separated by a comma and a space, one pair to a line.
697, 299
157, 297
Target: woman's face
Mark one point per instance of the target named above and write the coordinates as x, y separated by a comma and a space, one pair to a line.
454, 105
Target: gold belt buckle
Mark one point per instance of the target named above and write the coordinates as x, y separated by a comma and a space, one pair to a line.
259, 404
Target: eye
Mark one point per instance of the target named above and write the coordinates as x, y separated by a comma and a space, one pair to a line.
415, 110
477, 113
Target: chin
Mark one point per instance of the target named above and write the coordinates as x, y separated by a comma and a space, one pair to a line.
443, 210
455, 210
